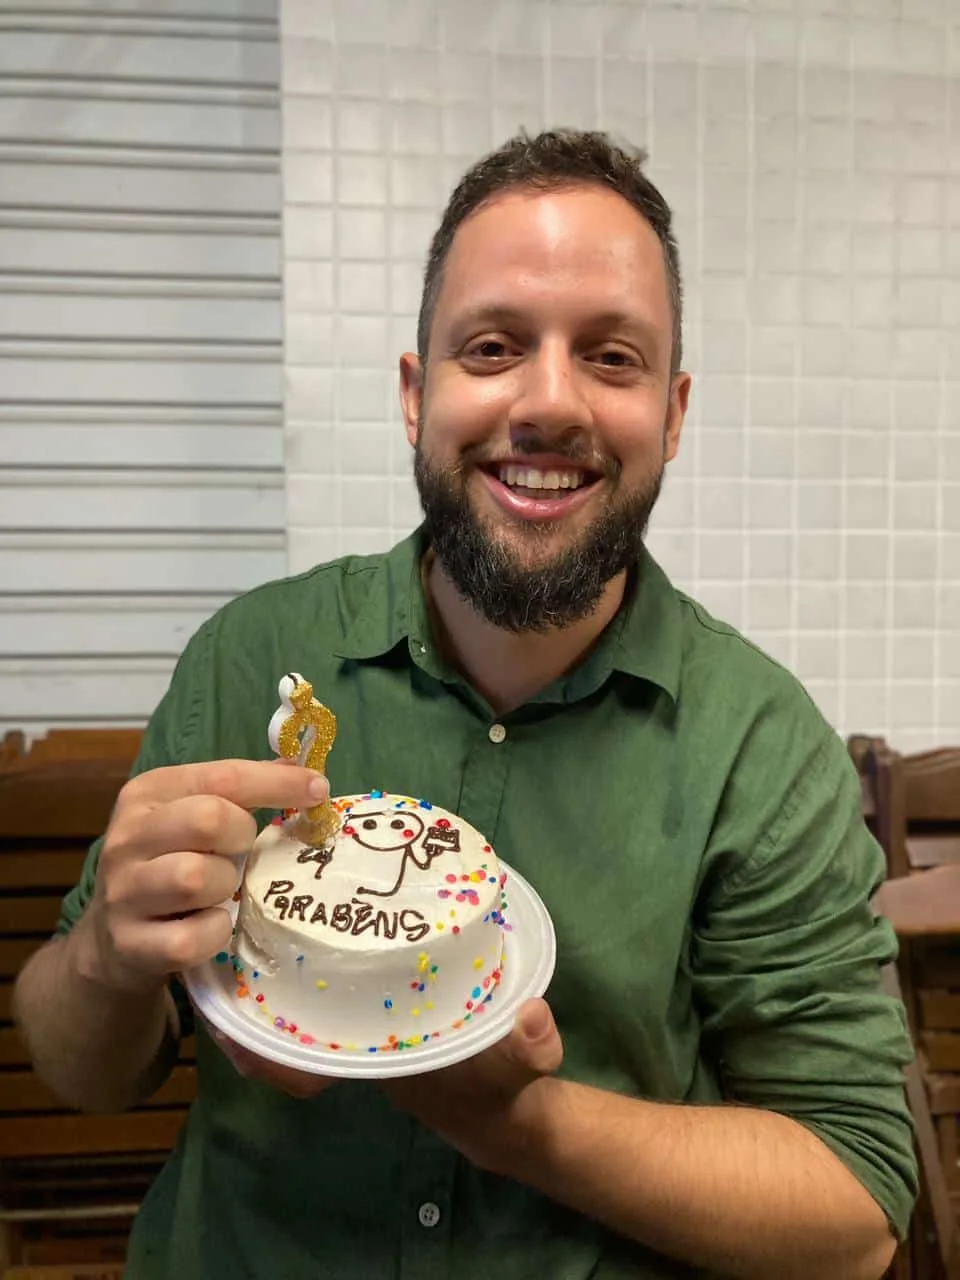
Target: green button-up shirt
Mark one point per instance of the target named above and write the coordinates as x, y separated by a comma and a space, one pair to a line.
693, 826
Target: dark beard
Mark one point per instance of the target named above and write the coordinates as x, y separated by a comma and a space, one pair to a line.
554, 594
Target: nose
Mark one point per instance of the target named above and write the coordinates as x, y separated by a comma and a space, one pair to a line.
550, 397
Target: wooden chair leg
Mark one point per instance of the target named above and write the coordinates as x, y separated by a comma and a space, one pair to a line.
9, 1246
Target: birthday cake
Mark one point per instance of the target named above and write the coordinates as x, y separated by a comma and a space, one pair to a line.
383, 936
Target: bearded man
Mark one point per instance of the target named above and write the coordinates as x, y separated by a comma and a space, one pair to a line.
712, 1085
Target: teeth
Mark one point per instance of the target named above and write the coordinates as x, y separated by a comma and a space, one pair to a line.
531, 478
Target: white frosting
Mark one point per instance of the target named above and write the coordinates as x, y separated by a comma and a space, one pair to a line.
391, 933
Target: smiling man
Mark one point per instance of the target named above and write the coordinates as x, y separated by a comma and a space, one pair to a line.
713, 1083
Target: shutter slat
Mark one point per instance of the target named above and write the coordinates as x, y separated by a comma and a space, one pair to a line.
141, 383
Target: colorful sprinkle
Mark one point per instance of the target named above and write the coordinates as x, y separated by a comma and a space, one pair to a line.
260, 998
222, 957
388, 1004
299, 959
478, 963
321, 985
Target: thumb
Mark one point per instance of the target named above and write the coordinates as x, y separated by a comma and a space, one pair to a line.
535, 1040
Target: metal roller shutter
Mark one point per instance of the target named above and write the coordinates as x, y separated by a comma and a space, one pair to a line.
141, 434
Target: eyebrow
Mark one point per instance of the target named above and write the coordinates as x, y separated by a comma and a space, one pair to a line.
502, 314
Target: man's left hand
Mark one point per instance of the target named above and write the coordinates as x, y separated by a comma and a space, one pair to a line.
486, 1105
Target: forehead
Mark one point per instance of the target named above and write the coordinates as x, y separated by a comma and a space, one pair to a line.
574, 249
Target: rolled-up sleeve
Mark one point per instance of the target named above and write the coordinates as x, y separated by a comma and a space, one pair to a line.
787, 958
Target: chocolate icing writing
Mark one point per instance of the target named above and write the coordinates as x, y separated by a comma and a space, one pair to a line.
299, 905
277, 886
341, 917
354, 917
416, 931
321, 854
383, 923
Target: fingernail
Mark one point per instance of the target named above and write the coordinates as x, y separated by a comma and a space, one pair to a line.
536, 1022
318, 787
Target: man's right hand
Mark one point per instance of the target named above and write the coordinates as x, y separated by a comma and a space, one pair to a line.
166, 867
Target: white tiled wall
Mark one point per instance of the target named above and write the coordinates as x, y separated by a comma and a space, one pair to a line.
811, 151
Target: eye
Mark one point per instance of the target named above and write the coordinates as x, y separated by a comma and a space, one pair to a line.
397, 823
370, 824
489, 354
614, 358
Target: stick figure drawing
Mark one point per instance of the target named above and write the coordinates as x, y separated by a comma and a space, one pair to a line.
389, 831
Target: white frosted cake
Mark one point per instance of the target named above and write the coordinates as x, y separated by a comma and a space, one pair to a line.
385, 936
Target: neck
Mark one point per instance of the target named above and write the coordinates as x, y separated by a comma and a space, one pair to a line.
505, 667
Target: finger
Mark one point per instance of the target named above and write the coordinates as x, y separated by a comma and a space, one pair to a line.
167, 946
205, 823
300, 1084
251, 784
173, 883
534, 1042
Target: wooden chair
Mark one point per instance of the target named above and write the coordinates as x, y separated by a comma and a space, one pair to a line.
69, 1183
81, 1271
915, 805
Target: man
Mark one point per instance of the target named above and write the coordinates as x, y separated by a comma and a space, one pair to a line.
713, 1085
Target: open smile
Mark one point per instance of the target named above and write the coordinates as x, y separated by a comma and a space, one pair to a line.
549, 490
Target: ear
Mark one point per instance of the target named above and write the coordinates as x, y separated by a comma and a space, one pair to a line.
411, 393
676, 412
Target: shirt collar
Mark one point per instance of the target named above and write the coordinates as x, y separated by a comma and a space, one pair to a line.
394, 607
649, 644
644, 640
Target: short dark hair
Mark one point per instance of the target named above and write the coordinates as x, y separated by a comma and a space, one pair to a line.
553, 159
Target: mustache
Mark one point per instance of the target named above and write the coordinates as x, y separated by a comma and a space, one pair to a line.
580, 456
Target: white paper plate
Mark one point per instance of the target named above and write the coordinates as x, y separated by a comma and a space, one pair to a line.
530, 955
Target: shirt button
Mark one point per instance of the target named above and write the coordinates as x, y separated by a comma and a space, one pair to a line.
429, 1214
496, 733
